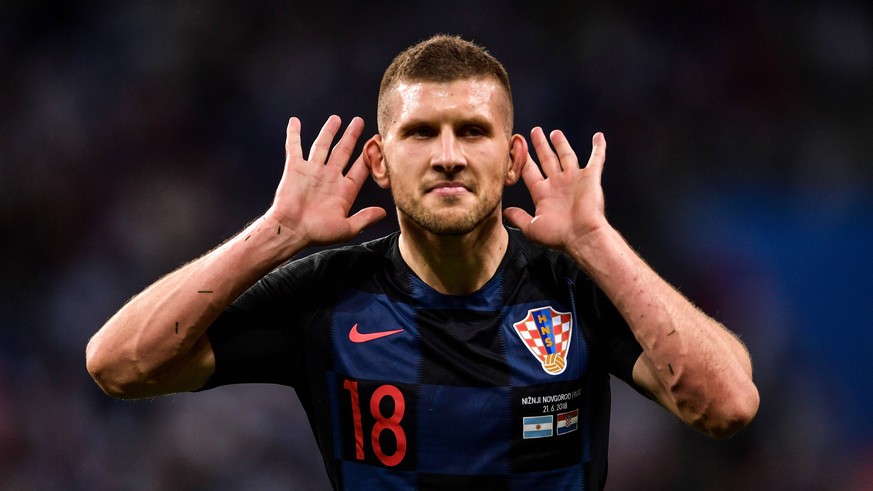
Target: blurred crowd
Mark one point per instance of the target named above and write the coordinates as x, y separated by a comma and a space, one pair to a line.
135, 136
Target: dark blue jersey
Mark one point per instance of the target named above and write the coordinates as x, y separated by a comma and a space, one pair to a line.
406, 388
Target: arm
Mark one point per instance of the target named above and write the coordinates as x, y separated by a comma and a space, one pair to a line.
157, 344
690, 364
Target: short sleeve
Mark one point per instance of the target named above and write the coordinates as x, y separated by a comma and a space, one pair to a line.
253, 340
621, 347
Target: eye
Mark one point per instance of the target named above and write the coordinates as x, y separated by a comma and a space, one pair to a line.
473, 131
421, 132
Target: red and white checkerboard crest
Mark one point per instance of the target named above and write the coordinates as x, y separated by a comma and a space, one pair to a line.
546, 333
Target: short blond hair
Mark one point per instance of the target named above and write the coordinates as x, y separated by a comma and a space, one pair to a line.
442, 58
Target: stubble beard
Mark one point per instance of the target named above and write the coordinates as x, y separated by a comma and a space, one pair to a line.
445, 221
451, 224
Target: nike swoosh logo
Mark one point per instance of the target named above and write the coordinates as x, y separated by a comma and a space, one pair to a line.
362, 337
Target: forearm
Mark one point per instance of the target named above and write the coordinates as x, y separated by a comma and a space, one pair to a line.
699, 369
157, 344
159, 330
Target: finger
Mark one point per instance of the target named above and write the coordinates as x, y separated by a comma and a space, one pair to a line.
598, 153
566, 155
321, 146
530, 173
341, 153
548, 160
292, 139
358, 172
518, 217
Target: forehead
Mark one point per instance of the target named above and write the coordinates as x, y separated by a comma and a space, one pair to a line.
476, 97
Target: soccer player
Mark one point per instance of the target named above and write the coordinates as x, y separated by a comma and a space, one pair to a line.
457, 352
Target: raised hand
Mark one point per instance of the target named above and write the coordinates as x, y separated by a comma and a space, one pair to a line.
314, 197
568, 199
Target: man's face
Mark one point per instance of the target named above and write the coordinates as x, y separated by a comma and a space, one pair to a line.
446, 152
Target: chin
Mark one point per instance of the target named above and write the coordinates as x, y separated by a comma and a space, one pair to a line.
453, 223
447, 220
449, 227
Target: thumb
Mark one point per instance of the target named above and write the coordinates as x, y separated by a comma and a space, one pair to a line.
518, 217
365, 217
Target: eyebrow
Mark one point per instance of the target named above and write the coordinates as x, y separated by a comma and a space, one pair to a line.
482, 122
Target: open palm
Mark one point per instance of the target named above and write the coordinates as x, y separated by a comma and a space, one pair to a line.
314, 197
568, 199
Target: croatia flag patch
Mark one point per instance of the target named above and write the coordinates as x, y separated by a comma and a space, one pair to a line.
546, 333
567, 422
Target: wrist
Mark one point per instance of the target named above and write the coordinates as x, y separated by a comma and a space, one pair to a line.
597, 249
280, 227
264, 244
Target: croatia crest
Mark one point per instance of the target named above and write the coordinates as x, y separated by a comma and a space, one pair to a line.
546, 333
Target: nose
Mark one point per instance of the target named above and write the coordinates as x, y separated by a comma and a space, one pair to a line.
449, 157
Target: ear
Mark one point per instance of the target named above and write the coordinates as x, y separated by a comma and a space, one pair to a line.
375, 160
517, 157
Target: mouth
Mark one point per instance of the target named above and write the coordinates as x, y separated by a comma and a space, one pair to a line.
448, 188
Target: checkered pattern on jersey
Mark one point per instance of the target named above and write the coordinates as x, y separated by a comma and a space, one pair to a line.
405, 387
443, 402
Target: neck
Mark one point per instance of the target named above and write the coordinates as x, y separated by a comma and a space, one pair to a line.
454, 265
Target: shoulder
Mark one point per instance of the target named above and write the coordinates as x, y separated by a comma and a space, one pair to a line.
550, 268
342, 262
345, 255
527, 254
312, 279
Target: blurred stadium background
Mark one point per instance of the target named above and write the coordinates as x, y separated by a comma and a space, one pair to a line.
135, 136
